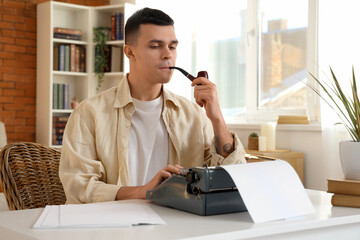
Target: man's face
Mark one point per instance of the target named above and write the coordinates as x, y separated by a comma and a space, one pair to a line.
154, 52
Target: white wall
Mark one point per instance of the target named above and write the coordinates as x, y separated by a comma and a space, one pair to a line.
339, 35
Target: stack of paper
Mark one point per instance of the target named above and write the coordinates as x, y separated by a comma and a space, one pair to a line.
110, 214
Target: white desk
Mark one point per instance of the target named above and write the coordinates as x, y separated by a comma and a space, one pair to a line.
327, 223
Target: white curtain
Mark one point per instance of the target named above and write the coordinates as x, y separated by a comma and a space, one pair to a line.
339, 47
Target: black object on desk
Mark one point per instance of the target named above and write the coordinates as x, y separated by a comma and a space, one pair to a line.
200, 190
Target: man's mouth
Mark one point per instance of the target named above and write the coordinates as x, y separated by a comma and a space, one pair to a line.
165, 65
165, 68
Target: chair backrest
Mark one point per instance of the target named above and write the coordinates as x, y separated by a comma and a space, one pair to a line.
29, 175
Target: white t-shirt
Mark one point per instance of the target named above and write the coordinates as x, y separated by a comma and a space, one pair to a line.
148, 141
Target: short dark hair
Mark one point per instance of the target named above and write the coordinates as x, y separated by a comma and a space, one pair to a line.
145, 16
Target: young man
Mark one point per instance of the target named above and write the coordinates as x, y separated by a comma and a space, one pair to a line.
128, 139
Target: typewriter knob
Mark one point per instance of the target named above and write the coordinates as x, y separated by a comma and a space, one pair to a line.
191, 177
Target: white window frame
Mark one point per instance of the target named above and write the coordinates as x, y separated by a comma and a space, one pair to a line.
253, 113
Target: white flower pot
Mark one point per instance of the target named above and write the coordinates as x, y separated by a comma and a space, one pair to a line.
350, 159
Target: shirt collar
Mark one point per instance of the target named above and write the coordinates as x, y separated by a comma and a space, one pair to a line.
123, 96
170, 97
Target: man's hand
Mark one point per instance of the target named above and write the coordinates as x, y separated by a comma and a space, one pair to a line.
139, 192
161, 176
205, 95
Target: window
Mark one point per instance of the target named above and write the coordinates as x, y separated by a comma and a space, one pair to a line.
256, 52
282, 60
281, 51
219, 46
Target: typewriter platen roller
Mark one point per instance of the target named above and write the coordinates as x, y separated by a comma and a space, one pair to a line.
199, 190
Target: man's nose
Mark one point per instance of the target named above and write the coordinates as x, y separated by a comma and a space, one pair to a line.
166, 54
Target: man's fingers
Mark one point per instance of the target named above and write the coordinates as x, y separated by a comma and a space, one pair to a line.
200, 103
164, 174
167, 172
178, 166
200, 80
172, 169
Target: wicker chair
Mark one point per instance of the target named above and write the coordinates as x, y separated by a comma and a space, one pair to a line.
29, 176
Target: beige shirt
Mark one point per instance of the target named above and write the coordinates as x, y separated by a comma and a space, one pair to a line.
94, 159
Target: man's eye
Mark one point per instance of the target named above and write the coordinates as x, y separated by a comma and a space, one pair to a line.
172, 47
154, 46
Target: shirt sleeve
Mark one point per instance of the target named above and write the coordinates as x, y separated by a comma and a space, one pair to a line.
212, 158
81, 173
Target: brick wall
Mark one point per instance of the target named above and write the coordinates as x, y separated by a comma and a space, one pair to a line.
18, 66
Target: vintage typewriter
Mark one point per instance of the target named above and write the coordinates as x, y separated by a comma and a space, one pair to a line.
200, 190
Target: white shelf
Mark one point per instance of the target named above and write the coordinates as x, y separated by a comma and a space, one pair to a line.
62, 110
67, 73
111, 9
116, 43
66, 41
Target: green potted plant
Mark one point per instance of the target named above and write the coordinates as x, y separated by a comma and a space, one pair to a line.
253, 141
101, 53
347, 107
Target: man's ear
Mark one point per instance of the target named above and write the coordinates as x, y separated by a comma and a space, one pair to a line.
128, 51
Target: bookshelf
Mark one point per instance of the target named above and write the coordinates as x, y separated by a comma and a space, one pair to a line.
80, 83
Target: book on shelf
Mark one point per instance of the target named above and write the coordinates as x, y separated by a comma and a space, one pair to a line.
59, 130
66, 96
345, 200
67, 36
67, 33
77, 59
56, 57
344, 187
121, 26
61, 58
59, 124
113, 28
55, 96
61, 96
72, 57
82, 59
117, 26
69, 57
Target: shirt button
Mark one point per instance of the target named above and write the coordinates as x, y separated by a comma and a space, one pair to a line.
128, 125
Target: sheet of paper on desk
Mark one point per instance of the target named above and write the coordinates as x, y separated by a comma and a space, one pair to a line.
270, 190
110, 214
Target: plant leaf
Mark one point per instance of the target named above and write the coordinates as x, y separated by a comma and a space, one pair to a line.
347, 108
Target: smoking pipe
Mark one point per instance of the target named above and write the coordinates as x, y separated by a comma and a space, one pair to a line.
189, 76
